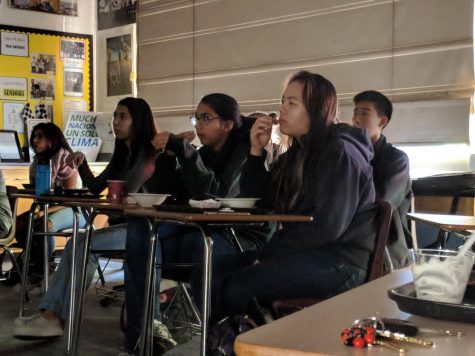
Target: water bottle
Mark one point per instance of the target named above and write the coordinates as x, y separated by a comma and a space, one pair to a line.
43, 177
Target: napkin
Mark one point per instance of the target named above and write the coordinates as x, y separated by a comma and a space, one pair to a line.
205, 204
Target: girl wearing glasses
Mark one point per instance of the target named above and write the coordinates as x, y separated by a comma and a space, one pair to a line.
325, 173
212, 170
133, 160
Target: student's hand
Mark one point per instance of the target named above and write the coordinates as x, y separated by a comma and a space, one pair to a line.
160, 140
260, 134
187, 135
75, 159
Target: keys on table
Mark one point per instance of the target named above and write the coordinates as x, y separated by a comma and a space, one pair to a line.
394, 334
410, 329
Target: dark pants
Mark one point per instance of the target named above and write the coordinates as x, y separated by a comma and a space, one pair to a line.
176, 244
237, 279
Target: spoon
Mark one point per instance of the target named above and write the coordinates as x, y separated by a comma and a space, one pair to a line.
466, 246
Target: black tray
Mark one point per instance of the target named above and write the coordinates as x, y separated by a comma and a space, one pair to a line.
405, 297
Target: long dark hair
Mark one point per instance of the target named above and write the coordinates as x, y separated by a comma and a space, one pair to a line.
225, 106
320, 100
143, 131
54, 135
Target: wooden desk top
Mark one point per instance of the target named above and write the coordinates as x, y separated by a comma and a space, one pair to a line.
446, 222
316, 330
214, 217
60, 198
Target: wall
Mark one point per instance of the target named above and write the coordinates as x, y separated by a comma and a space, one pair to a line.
418, 52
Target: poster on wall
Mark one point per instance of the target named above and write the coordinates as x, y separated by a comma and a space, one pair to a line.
14, 44
80, 132
73, 82
42, 89
43, 63
73, 50
119, 65
12, 117
58, 7
70, 105
13, 88
112, 13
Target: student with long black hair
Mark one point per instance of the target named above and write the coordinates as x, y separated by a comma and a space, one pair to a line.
325, 173
133, 160
212, 170
50, 147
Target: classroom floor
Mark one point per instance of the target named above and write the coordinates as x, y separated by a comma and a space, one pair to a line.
100, 332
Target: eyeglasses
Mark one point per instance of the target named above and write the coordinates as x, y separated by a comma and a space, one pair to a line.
202, 119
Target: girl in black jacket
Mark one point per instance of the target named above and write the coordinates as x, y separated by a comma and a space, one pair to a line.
326, 173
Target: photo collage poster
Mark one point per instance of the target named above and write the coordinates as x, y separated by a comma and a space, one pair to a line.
52, 74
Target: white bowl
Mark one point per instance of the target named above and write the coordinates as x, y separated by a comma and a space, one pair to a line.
148, 200
243, 203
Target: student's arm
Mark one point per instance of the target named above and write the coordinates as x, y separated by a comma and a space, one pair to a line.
254, 177
95, 184
6, 218
393, 182
198, 179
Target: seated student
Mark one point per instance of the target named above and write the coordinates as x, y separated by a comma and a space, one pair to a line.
391, 178
49, 144
133, 160
215, 170
6, 218
325, 173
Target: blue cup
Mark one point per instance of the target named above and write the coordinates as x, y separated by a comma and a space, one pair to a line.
43, 180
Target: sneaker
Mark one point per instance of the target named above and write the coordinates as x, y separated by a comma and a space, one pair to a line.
39, 328
162, 339
22, 321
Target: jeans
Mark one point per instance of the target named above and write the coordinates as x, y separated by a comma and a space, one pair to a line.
176, 244
60, 220
237, 279
58, 294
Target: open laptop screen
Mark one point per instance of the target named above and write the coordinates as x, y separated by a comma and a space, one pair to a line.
10, 150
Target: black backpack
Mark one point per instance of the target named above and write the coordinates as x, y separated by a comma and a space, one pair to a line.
221, 336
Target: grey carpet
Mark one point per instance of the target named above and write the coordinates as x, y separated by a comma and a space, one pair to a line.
100, 331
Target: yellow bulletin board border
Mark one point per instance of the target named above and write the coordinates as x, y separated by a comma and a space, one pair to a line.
49, 43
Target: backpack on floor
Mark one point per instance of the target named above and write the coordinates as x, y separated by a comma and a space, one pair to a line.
221, 337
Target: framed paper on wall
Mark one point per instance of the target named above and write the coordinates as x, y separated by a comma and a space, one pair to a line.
14, 44
13, 88
12, 116
58, 7
119, 65
111, 13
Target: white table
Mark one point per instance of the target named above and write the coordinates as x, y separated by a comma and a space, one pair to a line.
316, 330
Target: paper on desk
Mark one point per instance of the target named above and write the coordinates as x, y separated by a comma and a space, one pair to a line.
205, 204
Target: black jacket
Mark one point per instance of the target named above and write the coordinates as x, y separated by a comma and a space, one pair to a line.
339, 195
393, 184
204, 171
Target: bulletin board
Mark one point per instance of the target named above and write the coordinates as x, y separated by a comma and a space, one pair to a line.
43, 75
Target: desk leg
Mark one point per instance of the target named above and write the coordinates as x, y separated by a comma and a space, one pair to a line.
206, 280
26, 258
442, 238
146, 330
45, 249
72, 298
81, 290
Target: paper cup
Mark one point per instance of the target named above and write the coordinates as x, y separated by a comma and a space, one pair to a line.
440, 275
116, 191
